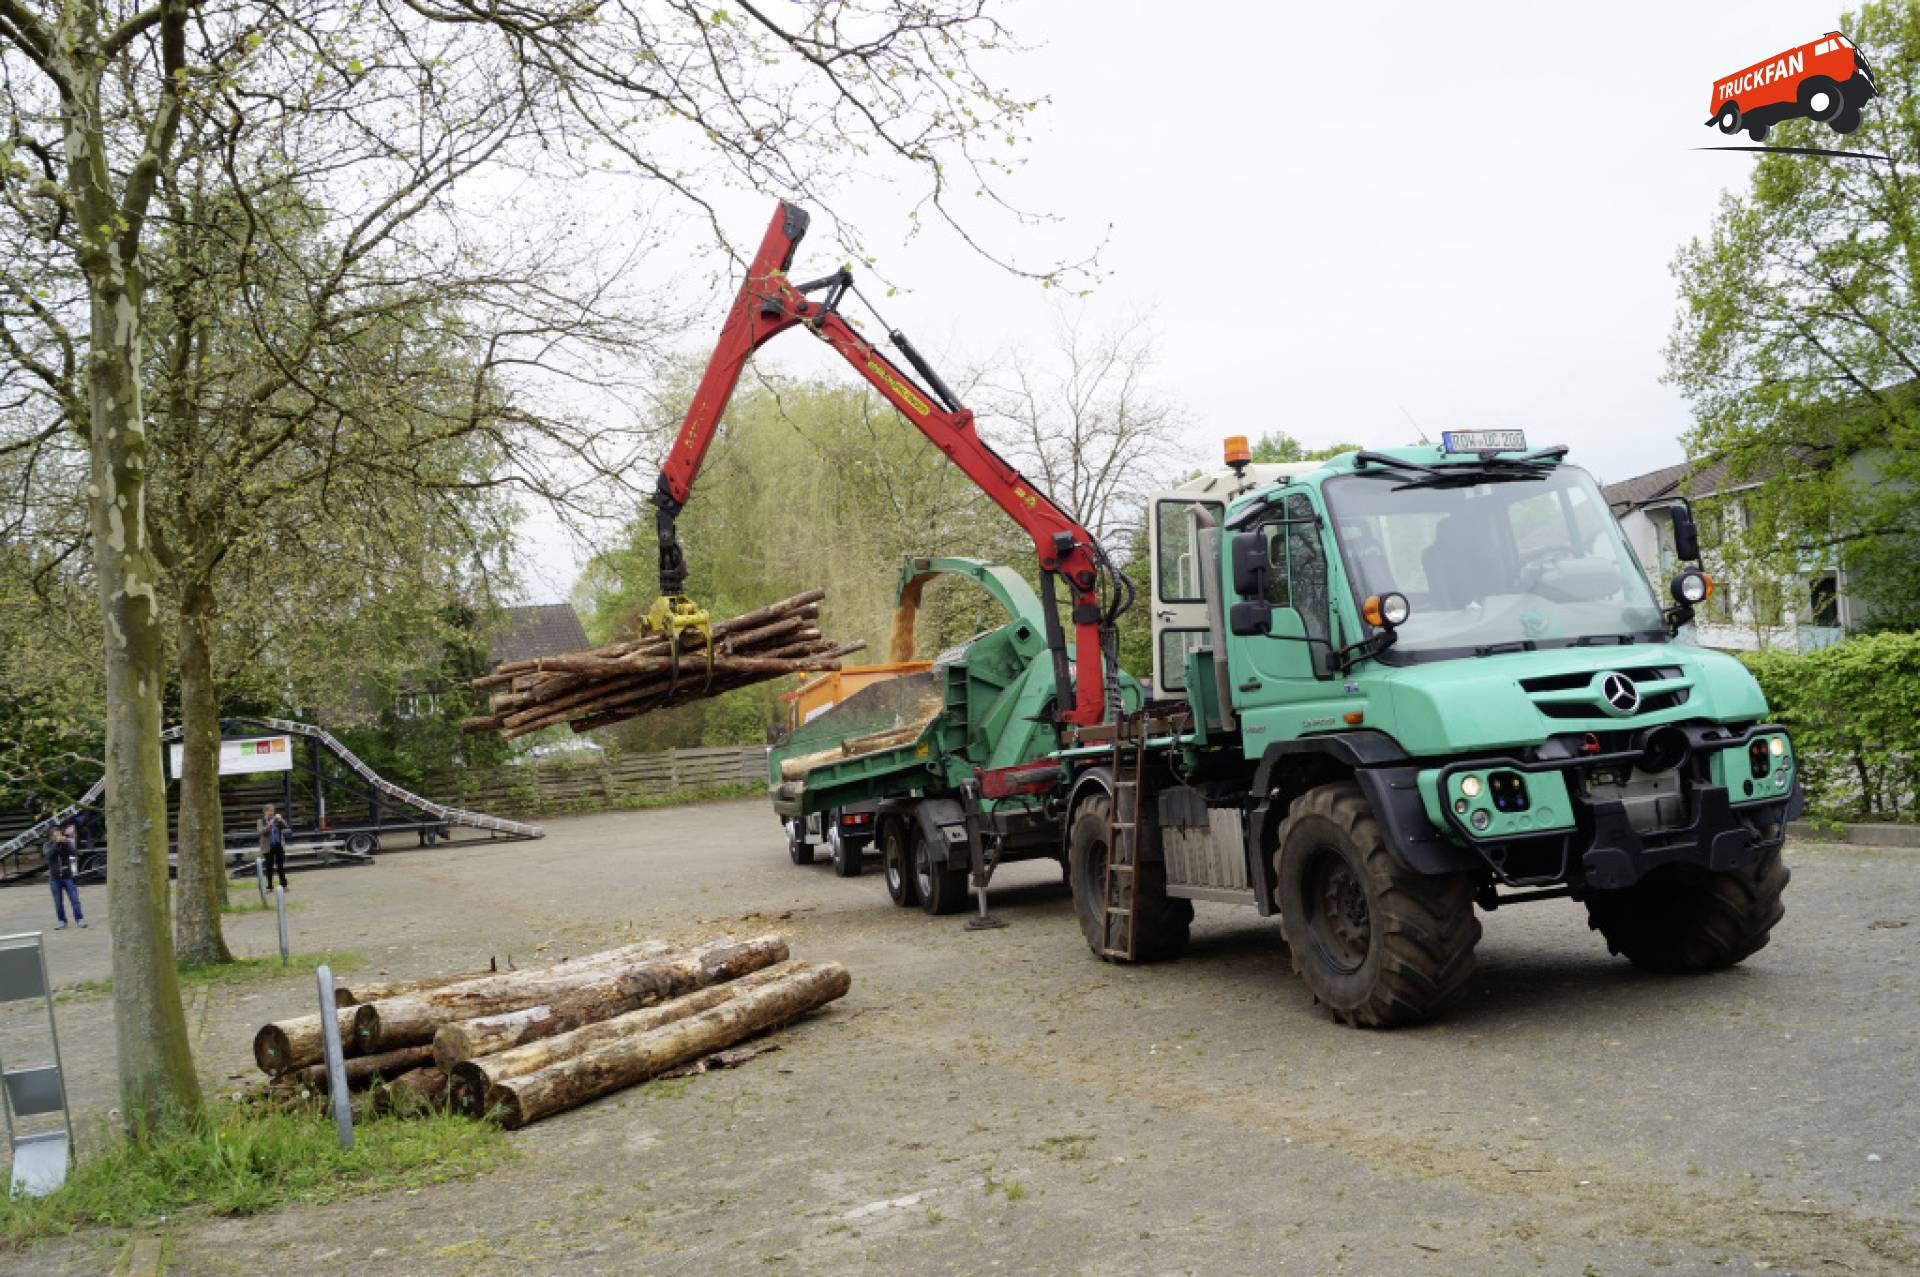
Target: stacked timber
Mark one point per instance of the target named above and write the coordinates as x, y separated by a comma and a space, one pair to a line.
610, 684
521, 1045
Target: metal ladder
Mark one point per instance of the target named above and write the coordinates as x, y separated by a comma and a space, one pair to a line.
1121, 902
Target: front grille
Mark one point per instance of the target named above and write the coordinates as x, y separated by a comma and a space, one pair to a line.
1568, 696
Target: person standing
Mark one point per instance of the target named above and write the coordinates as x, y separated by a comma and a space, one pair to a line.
60, 875
273, 843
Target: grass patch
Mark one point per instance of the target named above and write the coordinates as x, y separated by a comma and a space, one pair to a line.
239, 971
250, 903
237, 1161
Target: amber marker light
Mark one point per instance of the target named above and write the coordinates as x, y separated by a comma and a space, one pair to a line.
1370, 611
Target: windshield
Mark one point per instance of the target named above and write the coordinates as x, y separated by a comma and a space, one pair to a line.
1521, 562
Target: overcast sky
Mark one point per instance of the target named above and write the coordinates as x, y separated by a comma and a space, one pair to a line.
1340, 222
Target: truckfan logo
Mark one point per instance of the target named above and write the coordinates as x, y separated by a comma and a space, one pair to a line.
1827, 80
1621, 696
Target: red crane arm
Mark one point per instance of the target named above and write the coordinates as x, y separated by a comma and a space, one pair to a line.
768, 305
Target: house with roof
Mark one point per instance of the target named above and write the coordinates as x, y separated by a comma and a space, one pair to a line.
1802, 610
517, 634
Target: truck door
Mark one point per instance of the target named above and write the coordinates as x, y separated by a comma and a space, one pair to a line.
1179, 608
1300, 628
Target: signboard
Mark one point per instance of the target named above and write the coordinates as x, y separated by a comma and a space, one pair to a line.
243, 757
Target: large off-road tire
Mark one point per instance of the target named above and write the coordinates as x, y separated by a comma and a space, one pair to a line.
1378, 944
940, 889
1162, 923
849, 857
894, 857
799, 850
1683, 919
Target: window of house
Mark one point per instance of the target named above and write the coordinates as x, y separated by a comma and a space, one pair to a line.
1769, 604
1824, 592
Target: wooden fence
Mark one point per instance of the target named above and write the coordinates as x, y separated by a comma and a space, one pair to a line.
570, 784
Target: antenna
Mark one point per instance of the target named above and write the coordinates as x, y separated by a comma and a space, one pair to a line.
1415, 425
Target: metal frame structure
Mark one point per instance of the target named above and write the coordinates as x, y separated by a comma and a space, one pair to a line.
41, 1159
391, 809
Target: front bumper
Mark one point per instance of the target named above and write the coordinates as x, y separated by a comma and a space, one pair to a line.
1601, 851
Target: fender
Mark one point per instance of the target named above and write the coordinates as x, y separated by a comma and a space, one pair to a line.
936, 816
1389, 791
1355, 749
1098, 779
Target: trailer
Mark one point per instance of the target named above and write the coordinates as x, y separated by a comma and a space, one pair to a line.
946, 768
1390, 689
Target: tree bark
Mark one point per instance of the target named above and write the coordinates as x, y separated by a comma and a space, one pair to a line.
374, 990
285, 1045
362, 1070
202, 884
422, 1090
410, 1019
474, 1078
624, 1061
157, 1080
396, 1022
651, 983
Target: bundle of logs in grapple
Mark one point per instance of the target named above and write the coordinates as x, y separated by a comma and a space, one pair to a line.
522, 1045
622, 680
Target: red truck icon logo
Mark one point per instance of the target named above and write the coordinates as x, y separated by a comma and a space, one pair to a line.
1826, 80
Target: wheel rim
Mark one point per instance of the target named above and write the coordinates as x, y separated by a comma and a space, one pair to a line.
833, 841
923, 868
896, 878
1340, 920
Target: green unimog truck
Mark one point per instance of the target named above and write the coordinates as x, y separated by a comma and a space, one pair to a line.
1389, 689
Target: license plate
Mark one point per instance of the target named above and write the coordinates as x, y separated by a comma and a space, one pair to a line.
1483, 441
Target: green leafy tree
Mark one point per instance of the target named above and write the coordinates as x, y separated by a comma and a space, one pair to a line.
1798, 341
1277, 447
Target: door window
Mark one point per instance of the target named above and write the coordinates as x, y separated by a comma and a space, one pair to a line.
1174, 646
1176, 555
1307, 567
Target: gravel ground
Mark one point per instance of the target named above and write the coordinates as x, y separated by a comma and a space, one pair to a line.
1002, 1102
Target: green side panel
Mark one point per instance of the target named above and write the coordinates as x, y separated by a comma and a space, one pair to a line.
1734, 769
1549, 805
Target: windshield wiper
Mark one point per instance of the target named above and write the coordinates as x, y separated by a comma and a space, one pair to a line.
1595, 640
1517, 645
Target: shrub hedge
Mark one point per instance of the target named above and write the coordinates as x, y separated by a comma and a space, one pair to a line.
1854, 711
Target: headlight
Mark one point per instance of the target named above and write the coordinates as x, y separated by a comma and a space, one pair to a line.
1481, 819
1691, 587
1395, 609
1776, 745
1470, 786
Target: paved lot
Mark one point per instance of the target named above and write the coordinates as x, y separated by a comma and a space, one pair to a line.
1002, 1102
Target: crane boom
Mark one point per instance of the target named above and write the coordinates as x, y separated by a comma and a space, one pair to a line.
768, 304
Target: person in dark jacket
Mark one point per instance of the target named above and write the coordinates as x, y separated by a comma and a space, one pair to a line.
274, 831
60, 875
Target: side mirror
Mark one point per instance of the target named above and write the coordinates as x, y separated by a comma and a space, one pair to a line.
1250, 565
1246, 618
1686, 536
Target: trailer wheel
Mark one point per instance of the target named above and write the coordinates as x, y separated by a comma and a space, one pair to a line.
899, 873
1163, 923
1377, 943
1683, 920
941, 890
362, 843
799, 850
846, 854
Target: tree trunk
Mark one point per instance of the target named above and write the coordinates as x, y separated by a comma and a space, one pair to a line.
362, 1070
422, 1090
410, 1019
202, 885
374, 990
157, 1081
486, 1035
396, 1022
474, 1078
296, 1043
624, 1061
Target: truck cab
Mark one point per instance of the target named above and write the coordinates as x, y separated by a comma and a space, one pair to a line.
1419, 680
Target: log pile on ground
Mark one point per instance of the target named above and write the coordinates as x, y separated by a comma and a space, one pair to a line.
518, 1046
623, 680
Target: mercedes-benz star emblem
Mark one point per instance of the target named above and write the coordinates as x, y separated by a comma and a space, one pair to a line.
1621, 696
